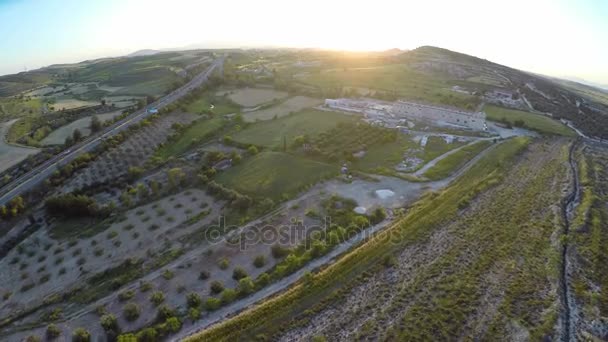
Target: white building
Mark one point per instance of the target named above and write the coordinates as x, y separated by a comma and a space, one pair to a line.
441, 115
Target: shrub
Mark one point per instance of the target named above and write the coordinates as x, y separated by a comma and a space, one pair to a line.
147, 335
238, 273
157, 297
109, 323
203, 275
164, 312
33, 338
223, 263
62, 271
52, 331
217, 286
259, 261
126, 295
212, 304
81, 261
194, 314
194, 300
145, 286
168, 274
246, 286
278, 251
131, 311
173, 324
228, 296
81, 335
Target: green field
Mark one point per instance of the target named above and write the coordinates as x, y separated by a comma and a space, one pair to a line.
456, 160
221, 105
12, 108
200, 130
308, 122
397, 78
537, 122
383, 158
275, 175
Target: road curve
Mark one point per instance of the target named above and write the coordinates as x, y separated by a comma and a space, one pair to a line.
40, 173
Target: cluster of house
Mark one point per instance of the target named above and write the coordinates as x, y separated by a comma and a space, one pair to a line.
393, 114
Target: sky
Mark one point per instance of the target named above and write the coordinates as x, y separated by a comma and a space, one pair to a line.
564, 38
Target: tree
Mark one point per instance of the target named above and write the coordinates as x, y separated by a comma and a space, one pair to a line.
194, 314
96, 124
131, 311
109, 323
252, 150
52, 331
212, 304
246, 286
173, 324
157, 297
228, 296
217, 286
76, 135
147, 335
194, 300
176, 176
238, 273
81, 335
259, 261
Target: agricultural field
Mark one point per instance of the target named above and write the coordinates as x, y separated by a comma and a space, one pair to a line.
397, 79
134, 151
488, 238
451, 162
291, 105
10, 154
275, 175
308, 123
197, 133
70, 103
251, 97
532, 121
14, 108
218, 105
58, 136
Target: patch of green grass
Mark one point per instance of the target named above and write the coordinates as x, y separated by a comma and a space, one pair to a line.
456, 160
221, 106
275, 175
192, 135
536, 122
308, 122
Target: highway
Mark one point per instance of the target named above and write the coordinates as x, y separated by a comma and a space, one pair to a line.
46, 169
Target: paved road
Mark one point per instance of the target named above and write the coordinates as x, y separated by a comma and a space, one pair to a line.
40, 173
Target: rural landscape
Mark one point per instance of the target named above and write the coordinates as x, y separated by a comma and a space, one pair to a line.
301, 195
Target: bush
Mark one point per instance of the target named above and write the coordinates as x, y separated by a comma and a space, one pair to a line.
167, 274
131, 311
212, 304
52, 331
81, 335
223, 263
228, 296
147, 335
246, 286
194, 300
194, 314
109, 323
238, 273
217, 286
173, 324
203, 275
145, 286
164, 312
126, 295
259, 261
157, 297
278, 251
